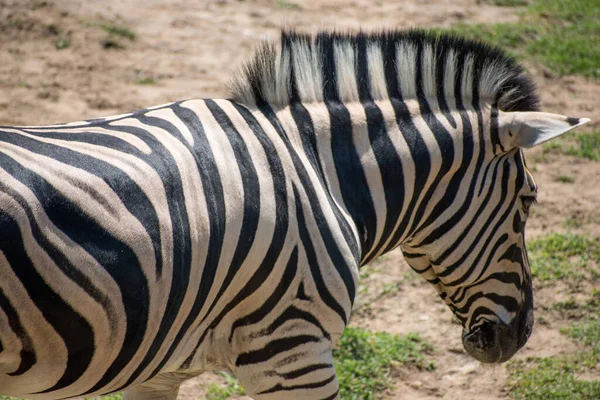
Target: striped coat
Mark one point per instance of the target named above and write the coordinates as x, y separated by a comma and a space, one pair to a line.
139, 250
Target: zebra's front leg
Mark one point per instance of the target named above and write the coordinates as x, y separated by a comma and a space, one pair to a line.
304, 372
161, 387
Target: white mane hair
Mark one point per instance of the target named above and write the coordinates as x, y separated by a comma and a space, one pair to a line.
401, 64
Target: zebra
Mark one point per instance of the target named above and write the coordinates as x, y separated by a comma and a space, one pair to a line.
139, 250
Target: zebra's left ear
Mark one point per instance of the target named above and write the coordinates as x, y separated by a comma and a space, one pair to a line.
528, 128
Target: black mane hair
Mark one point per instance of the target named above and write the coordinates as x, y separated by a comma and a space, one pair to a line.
403, 64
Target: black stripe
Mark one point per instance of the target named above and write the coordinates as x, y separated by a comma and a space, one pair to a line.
333, 396
128, 191
315, 270
501, 219
251, 207
510, 303
274, 348
314, 385
325, 44
441, 57
354, 188
303, 371
74, 330
292, 313
305, 126
62, 261
390, 167
362, 69
272, 300
27, 353
446, 148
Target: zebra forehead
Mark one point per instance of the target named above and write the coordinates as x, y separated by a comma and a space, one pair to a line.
401, 64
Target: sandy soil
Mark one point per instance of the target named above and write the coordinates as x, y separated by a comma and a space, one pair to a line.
190, 49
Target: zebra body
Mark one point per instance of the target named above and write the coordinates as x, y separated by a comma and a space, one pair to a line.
139, 250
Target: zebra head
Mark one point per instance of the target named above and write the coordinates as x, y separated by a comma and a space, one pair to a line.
420, 139
474, 254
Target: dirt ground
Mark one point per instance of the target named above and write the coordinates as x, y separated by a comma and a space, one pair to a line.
188, 49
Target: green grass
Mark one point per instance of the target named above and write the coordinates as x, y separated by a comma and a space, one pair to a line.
146, 80
565, 178
504, 3
586, 332
546, 378
558, 377
563, 256
62, 43
221, 392
114, 396
289, 5
584, 145
588, 146
563, 35
115, 33
116, 30
364, 359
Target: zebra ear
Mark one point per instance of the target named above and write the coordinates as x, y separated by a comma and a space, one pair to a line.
528, 128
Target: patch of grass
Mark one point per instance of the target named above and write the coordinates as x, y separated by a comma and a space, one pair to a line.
504, 3
115, 33
146, 80
62, 43
558, 377
563, 35
508, 35
364, 359
565, 178
23, 84
566, 305
546, 378
289, 5
588, 146
558, 256
114, 396
581, 145
586, 332
221, 392
589, 307
116, 30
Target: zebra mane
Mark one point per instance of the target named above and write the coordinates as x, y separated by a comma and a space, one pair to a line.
402, 64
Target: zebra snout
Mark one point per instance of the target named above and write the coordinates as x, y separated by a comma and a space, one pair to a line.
497, 342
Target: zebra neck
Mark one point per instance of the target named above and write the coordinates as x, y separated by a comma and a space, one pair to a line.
358, 152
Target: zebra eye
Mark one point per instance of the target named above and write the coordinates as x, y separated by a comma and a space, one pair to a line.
527, 202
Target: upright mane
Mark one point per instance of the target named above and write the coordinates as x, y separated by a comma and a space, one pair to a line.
402, 64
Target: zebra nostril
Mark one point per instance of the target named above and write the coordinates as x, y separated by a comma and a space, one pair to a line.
481, 343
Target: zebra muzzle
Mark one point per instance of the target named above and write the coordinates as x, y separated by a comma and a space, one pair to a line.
497, 342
